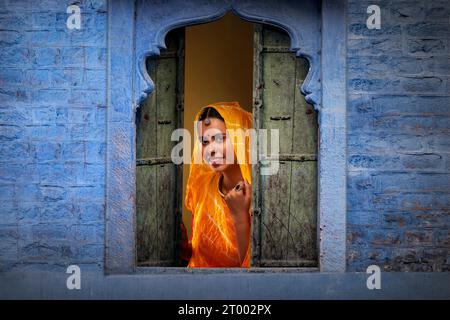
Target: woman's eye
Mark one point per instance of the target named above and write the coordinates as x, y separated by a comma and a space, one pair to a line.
204, 142
219, 138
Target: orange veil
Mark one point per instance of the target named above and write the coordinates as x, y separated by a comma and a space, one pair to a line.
213, 241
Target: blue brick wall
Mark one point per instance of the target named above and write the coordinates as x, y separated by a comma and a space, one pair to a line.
398, 137
52, 135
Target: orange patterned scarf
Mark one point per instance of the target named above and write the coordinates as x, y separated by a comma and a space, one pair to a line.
213, 242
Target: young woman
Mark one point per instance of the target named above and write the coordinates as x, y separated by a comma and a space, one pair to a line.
219, 189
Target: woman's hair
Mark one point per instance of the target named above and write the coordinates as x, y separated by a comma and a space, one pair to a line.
210, 112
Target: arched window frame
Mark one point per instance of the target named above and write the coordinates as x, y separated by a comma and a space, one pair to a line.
317, 32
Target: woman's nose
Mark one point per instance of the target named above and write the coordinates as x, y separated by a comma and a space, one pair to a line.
212, 149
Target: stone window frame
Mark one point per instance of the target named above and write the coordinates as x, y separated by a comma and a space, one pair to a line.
321, 39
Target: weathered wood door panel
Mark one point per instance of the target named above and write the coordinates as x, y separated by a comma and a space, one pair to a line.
158, 179
284, 231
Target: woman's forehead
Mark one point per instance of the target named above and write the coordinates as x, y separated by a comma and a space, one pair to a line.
215, 126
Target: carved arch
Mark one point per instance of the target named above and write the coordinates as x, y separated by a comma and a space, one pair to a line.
299, 19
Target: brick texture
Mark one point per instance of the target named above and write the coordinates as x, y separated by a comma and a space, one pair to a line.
398, 137
52, 135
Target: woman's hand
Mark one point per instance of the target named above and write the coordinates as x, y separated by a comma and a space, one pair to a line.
238, 201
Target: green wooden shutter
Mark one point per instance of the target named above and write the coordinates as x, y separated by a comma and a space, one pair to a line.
158, 180
284, 226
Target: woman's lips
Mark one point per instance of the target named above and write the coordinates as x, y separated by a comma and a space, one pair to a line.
216, 162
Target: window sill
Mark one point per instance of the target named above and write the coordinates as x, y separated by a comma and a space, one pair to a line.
184, 270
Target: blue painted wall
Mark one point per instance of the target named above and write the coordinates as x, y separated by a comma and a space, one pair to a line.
398, 137
53, 136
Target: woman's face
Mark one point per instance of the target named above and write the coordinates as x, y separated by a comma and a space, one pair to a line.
215, 144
